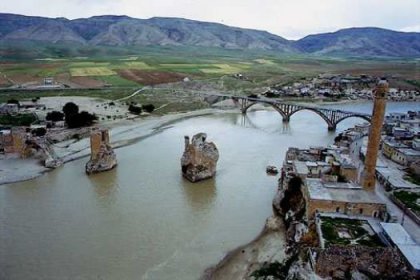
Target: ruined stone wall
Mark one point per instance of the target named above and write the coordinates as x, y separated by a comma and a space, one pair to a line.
377, 263
97, 139
349, 173
7, 143
102, 156
14, 142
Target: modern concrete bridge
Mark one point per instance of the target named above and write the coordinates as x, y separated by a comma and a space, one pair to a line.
286, 109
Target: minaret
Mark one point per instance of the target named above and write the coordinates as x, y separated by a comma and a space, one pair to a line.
379, 96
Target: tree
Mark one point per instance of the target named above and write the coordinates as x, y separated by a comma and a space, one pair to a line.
54, 116
13, 101
148, 108
70, 109
134, 109
39, 131
80, 119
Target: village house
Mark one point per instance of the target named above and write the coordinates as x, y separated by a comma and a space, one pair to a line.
416, 144
401, 133
406, 156
399, 152
9, 108
390, 146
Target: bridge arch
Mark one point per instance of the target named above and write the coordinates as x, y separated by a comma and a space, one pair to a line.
366, 118
283, 114
319, 113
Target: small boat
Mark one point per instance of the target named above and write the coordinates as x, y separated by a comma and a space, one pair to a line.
272, 170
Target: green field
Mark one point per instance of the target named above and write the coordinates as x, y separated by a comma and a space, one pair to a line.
263, 68
114, 73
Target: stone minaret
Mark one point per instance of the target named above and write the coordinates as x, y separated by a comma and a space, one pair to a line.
368, 175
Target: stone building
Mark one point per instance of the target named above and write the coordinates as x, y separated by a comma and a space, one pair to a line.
399, 238
102, 156
343, 198
320, 162
399, 152
13, 141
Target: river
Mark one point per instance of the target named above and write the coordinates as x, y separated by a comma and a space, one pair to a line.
142, 220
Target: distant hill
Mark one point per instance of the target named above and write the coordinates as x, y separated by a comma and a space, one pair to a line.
123, 31
362, 42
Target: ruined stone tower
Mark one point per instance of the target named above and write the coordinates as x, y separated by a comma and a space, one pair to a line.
199, 159
102, 155
379, 97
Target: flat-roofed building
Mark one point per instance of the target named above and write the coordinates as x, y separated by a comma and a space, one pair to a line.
399, 238
406, 156
344, 198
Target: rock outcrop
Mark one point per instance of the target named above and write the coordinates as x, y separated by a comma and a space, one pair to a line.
199, 159
102, 156
290, 203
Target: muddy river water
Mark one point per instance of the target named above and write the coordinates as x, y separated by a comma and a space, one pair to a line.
142, 220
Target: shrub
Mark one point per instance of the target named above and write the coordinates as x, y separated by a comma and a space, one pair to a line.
81, 119
18, 120
54, 116
13, 101
39, 131
148, 108
134, 109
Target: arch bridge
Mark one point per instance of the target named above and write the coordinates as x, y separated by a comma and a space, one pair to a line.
331, 116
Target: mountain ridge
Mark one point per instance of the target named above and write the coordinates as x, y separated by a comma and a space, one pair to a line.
122, 31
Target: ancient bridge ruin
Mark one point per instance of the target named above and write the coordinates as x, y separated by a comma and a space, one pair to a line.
286, 109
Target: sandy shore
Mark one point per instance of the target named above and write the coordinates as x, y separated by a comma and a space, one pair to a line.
267, 247
123, 133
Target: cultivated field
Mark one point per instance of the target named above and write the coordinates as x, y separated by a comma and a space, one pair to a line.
173, 77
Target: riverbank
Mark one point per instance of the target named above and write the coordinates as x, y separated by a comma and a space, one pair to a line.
123, 133
268, 247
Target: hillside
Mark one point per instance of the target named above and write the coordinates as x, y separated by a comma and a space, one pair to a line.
362, 42
125, 31
19, 33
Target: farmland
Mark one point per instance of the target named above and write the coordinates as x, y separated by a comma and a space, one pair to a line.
174, 74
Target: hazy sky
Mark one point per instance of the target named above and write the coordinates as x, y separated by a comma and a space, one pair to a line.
291, 19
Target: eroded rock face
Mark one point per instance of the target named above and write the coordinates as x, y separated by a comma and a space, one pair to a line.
290, 203
199, 159
102, 156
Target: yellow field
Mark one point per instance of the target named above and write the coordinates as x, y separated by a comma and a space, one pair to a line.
224, 69
264, 61
88, 64
130, 58
181, 65
138, 65
91, 71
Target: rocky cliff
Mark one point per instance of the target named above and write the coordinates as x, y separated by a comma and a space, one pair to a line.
199, 159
